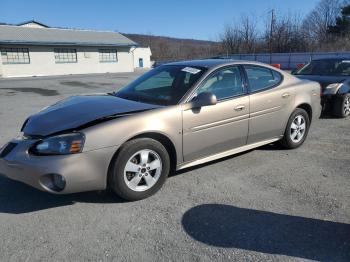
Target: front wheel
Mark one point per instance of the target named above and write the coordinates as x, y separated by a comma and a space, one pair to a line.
140, 169
341, 106
296, 130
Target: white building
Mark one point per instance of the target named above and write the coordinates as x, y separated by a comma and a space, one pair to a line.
142, 57
33, 49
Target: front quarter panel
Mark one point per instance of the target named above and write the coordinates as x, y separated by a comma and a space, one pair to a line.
166, 121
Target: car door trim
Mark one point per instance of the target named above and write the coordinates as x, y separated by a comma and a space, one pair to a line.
225, 153
265, 111
219, 123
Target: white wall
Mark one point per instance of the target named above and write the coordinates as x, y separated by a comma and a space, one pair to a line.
0, 66
144, 53
42, 62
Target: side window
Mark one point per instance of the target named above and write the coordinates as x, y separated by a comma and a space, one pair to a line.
261, 78
224, 83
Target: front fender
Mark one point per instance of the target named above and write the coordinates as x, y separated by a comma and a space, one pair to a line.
165, 121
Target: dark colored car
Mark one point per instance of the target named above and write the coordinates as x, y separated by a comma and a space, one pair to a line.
334, 76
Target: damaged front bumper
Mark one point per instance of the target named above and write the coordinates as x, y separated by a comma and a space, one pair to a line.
80, 172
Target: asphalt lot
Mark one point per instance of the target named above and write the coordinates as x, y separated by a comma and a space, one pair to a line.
267, 204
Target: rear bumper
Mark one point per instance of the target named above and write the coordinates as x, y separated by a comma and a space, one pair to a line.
317, 110
86, 171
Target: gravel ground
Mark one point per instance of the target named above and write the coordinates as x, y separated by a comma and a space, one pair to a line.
267, 204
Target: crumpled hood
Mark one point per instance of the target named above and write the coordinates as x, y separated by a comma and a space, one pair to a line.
76, 111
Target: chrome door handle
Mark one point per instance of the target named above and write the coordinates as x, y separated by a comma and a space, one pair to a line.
239, 108
285, 95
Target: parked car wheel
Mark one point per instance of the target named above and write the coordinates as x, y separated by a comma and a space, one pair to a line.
297, 129
140, 169
341, 106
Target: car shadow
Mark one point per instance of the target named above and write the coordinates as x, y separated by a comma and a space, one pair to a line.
267, 232
328, 117
18, 198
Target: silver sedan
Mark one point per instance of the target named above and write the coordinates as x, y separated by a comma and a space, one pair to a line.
175, 116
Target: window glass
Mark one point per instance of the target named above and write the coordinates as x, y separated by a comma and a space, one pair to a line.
108, 55
65, 55
164, 85
223, 83
15, 56
162, 79
261, 78
333, 67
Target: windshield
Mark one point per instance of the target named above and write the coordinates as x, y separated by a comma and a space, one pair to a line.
326, 67
164, 85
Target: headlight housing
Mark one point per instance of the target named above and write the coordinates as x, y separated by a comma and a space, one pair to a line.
334, 85
64, 144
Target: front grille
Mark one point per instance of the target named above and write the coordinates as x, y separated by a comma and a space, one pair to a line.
7, 149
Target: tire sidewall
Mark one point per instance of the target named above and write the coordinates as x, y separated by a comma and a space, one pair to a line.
117, 182
287, 139
342, 104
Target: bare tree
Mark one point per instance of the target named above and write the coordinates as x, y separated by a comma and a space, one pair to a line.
231, 39
286, 35
240, 37
320, 18
248, 34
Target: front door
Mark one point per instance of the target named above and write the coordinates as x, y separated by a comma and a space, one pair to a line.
217, 128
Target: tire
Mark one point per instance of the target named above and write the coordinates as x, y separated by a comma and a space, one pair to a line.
130, 164
341, 106
288, 141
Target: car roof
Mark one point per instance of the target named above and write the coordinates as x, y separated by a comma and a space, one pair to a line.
331, 59
211, 63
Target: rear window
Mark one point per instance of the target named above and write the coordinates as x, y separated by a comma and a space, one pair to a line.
332, 67
261, 78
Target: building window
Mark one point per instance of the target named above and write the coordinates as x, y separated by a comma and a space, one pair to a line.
15, 55
108, 55
65, 55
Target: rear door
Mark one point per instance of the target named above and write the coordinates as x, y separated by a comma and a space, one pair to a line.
269, 103
217, 128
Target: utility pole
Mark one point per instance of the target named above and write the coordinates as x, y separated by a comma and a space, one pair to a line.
271, 31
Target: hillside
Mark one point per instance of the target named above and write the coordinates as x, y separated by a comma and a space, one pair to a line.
169, 48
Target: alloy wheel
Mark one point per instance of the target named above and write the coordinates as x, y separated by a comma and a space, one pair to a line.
142, 170
347, 106
297, 129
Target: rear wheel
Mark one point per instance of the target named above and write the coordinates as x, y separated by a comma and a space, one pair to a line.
297, 129
341, 106
140, 169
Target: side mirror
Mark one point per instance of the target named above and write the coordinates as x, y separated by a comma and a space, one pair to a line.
294, 71
204, 99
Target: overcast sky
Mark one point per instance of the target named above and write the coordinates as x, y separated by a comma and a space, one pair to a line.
198, 19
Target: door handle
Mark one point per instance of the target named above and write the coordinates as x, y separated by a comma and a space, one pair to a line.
285, 95
239, 108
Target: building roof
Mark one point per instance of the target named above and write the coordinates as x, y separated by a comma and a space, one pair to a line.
56, 36
32, 22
